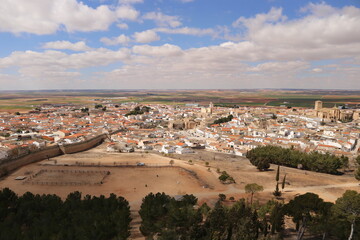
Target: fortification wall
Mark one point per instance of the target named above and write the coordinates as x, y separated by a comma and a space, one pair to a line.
52, 151
85, 145
49, 152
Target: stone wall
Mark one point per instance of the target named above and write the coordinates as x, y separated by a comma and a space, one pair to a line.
49, 152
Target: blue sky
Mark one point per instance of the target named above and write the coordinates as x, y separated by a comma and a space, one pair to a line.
179, 44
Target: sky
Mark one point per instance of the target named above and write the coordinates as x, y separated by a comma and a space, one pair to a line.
179, 44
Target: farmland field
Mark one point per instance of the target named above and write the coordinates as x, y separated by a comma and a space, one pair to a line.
11, 101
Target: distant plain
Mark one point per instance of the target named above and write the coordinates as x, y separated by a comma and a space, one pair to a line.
12, 101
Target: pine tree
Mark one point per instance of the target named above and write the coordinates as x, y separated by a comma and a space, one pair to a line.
283, 182
278, 174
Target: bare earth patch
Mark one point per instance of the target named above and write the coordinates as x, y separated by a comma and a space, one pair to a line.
67, 177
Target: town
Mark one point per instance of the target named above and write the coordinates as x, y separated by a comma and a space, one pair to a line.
180, 129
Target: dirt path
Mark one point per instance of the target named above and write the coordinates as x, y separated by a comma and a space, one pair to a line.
298, 190
135, 225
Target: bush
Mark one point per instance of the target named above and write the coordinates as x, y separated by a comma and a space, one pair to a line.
222, 197
226, 178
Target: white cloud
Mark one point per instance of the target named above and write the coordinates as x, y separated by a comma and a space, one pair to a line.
146, 36
47, 17
311, 36
55, 69
320, 10
274, 15
122, 39
317, 70
165, 50
130, 1
187, 31
280, 66
78, 46
186, 1
163, 20
127, 12
273, 51
122, 26
76, 16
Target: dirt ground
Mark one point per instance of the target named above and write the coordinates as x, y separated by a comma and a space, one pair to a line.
329, 187
134, 182
125, 178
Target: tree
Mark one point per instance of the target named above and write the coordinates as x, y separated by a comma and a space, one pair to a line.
273, 214
348, 206
204, 209
169, 218
207, 164
171, 162
283, 182
357, 174
260, 163
152, 212
242, 222
277, 178
253, 188
344, 161
85, 109
303, 209
217, 222
357, 159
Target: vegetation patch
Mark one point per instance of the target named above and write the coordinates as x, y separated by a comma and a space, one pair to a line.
225, 178
224, 119
261, 157
44, 217
138, 110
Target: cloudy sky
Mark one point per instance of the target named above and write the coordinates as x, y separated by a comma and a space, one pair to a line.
179, 44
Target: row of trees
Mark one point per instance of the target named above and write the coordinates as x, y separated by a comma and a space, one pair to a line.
166, 218
138, 110
224, 119
48, 217
357, 172
261, 157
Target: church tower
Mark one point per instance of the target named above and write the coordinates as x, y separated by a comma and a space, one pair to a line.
318, 105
